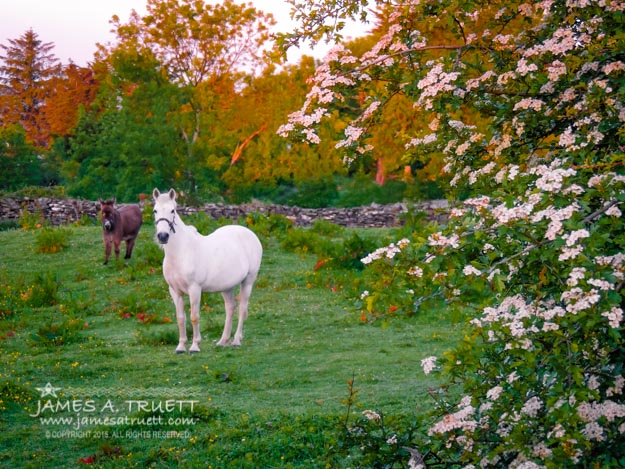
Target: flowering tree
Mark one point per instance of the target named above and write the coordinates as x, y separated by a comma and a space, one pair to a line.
526, 101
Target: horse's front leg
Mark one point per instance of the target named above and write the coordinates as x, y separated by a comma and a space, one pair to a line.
107, 249
181, 318
229, 303
195, 297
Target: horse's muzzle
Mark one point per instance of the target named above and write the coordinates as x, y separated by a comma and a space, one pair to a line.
162, 237
108, 226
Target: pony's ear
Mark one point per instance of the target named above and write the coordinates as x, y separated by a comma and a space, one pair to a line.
100, 200
155, 193
172, 194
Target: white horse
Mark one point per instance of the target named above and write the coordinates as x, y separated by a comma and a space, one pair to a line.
193, 263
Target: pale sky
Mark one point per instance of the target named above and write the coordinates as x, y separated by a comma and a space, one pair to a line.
75, 26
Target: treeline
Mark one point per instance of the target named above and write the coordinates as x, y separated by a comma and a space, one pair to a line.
188, 96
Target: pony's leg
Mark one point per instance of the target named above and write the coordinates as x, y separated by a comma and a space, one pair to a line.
116, 245
244, 298
182, 320
130, 244
107, 250
229, 303
195, 297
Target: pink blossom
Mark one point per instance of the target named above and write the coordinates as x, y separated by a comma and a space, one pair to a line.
574, 236
529, 103
532, 406
439, 239
494, 393
479, 202
457, 420
577, 274
593, 431
428, 364
470, 270
601, 284
435, 82
617, 388
568, 138
613, 67
615, 317
352, 133
562, 41
523, 68
614, 211
578, 300
555, 70
371, 415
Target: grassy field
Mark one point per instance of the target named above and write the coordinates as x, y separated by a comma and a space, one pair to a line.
88, 373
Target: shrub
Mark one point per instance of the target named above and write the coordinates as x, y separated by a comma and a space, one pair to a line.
274, 225
59, 333
6, 225
52, 240
30, 221
526, 118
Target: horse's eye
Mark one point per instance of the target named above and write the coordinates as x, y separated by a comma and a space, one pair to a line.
154, 211
172, 211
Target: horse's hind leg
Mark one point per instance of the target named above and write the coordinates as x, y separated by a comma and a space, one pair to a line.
195, 297
130, 244
182, 320
244, 298
229, 303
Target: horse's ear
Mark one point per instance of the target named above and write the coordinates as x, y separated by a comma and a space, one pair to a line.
155, 193
172, 194
100, 200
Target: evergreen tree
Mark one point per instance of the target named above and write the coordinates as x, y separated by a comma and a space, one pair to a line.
26, 70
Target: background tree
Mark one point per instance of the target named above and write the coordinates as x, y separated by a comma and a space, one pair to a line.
205, 50
268, 165
74, 89
124, 144
27, 70
19, 163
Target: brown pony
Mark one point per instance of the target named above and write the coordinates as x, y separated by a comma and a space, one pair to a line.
117, 225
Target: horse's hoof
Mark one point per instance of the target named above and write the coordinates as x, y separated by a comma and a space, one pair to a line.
180, 351
194, 351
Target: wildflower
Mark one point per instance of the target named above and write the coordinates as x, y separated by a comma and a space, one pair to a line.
470, 270
371, 415
494, 393
428, 364
615, 317
532, 406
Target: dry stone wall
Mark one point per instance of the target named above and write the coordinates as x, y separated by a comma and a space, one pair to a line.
62, 211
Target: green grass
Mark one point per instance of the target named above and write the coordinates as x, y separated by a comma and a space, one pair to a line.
105, 335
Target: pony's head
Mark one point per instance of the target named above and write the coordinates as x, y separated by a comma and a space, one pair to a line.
164, 214
107, 208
